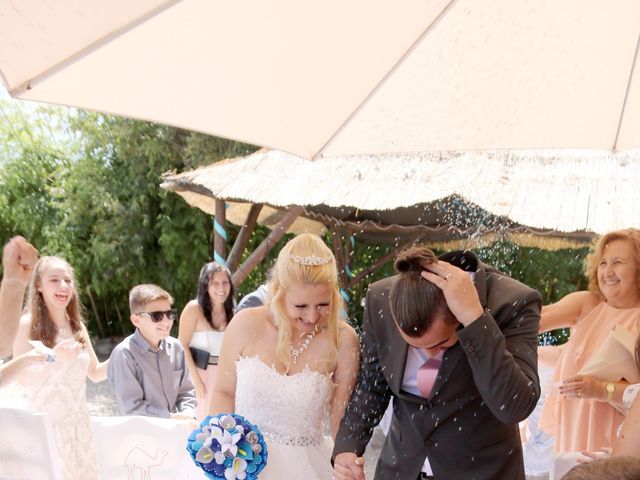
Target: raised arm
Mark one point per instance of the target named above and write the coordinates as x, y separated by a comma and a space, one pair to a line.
502, 353
18, 259
97, 371
344, 375
567, 311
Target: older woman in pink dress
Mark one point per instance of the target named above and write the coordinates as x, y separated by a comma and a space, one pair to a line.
582, 412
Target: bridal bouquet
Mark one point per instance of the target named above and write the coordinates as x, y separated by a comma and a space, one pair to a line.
228, 447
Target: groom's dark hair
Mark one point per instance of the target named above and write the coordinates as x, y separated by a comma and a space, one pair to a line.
416, 303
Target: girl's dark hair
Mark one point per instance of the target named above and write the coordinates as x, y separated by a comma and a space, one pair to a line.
416, 302
206, 273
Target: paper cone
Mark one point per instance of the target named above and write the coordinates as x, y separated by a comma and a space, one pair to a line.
614, 360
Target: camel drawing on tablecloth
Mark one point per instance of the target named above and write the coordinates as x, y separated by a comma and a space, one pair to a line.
139, 459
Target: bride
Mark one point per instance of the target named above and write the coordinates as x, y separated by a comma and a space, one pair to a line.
284, 365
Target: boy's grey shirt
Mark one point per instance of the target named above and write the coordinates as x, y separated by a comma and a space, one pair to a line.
149, 382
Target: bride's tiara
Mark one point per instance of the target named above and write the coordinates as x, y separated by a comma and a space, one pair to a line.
310, 260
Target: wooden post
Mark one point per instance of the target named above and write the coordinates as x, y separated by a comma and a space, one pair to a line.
220, 233
243, 237
96, 315
348, 250
338, 251
267, 244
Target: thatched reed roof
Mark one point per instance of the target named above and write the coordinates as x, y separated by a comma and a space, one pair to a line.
524, 194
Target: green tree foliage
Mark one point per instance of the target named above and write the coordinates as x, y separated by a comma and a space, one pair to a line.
33, 155
89, 192
136, 231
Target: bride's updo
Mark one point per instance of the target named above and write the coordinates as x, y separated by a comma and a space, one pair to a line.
304, 260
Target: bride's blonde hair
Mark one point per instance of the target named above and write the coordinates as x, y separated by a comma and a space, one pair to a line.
304, 260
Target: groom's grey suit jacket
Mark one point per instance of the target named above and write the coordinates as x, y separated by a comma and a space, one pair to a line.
487, 383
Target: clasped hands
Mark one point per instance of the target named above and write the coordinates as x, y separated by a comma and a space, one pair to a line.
348, 466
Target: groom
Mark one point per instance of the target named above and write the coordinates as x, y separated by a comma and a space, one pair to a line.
454, 342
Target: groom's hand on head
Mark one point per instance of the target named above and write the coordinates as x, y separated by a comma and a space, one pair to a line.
348, 466
458, 289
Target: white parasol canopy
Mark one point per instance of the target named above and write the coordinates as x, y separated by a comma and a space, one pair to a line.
341, 78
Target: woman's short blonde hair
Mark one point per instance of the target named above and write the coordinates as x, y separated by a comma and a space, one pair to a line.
304, 260
597, 251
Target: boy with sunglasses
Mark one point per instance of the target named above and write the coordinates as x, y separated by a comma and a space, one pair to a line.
148, 369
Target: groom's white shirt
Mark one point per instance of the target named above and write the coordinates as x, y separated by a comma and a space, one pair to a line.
415, 359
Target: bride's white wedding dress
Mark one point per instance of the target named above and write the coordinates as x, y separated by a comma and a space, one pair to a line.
289, 411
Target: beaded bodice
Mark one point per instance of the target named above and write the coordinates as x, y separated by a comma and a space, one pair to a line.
288, 409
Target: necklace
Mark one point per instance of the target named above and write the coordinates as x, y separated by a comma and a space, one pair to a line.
300, 349
63, 330
219, 321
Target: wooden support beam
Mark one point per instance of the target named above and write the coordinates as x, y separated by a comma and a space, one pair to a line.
243, 237
347, 250
267, 244
380, 262
338, 251
220, 233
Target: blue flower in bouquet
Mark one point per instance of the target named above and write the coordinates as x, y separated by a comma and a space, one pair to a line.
229, 447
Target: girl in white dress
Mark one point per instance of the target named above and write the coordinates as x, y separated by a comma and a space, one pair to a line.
202, 326
58, 388
283, 366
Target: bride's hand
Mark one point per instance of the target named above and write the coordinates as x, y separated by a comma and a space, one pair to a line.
348, 466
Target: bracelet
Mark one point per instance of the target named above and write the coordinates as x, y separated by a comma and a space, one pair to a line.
611, 389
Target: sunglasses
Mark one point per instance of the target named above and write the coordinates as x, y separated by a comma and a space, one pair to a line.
158, 316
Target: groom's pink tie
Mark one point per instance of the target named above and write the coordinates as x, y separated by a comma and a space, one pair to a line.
427, 373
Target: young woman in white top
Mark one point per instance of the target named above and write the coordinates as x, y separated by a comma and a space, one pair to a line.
202, 325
